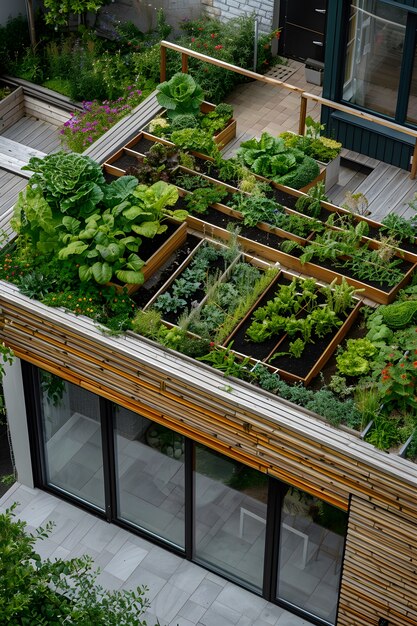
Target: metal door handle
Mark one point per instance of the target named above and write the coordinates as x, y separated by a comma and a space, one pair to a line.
318, 43
323, 11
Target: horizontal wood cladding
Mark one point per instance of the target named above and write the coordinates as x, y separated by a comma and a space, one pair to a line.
235, 418
12, 109
380, 567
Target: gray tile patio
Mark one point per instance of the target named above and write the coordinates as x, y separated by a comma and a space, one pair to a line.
180, 593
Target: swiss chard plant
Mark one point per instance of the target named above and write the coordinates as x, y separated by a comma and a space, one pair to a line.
106, 244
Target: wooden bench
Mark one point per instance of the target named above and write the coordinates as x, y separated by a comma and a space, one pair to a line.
14, 155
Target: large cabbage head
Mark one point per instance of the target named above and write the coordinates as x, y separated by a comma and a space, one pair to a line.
180, 95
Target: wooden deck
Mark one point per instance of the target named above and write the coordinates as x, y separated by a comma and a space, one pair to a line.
25, 138
387, 188
36, 134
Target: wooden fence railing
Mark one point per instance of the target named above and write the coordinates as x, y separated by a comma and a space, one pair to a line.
304, 96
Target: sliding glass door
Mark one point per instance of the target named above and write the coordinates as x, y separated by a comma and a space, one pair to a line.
272, 538
150, 476
72, 443
311, 539
230, 517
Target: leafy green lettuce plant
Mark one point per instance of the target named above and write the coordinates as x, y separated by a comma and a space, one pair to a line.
269, 157
107, 243
179, 95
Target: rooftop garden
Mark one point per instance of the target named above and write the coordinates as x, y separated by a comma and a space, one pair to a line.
202, 254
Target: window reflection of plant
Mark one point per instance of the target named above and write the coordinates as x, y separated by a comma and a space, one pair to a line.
53, 387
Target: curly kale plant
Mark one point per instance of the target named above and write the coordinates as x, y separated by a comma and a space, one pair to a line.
180, 95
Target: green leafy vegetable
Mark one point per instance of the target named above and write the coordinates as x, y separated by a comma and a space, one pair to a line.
180, 95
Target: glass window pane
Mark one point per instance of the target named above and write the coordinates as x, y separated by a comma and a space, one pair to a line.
150, 475
310, 553
374, 55
230, 516
72, 439
412, 102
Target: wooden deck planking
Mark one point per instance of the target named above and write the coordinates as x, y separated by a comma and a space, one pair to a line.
12, 184
34, 133
349, 180
395, 194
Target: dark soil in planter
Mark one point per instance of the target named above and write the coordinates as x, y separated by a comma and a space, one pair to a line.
142, 146
283, 198
157, 280
126, 161
109, 178
207, 167
250, 348
149, 246
301, 366
217, 218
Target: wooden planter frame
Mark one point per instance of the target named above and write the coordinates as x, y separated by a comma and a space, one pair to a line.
158, 258
334, 342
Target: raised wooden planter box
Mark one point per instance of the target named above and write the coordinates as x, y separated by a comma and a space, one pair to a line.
224, 136
335, 340
291, 262
177, 274
237, 215
159, 257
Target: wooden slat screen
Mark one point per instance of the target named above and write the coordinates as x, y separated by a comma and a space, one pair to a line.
380, 568
233, 417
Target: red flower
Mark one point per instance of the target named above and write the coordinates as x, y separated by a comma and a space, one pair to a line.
402, 365
193, 39
414, 363
213, 35
218, 47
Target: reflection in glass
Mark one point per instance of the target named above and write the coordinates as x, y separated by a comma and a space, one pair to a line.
149, 475
310, 553
72, 439
230, 516
412, 101
374, 55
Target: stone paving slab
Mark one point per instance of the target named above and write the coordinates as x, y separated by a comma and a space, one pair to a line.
180, 593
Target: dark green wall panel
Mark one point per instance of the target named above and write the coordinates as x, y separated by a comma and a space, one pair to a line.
379, 145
